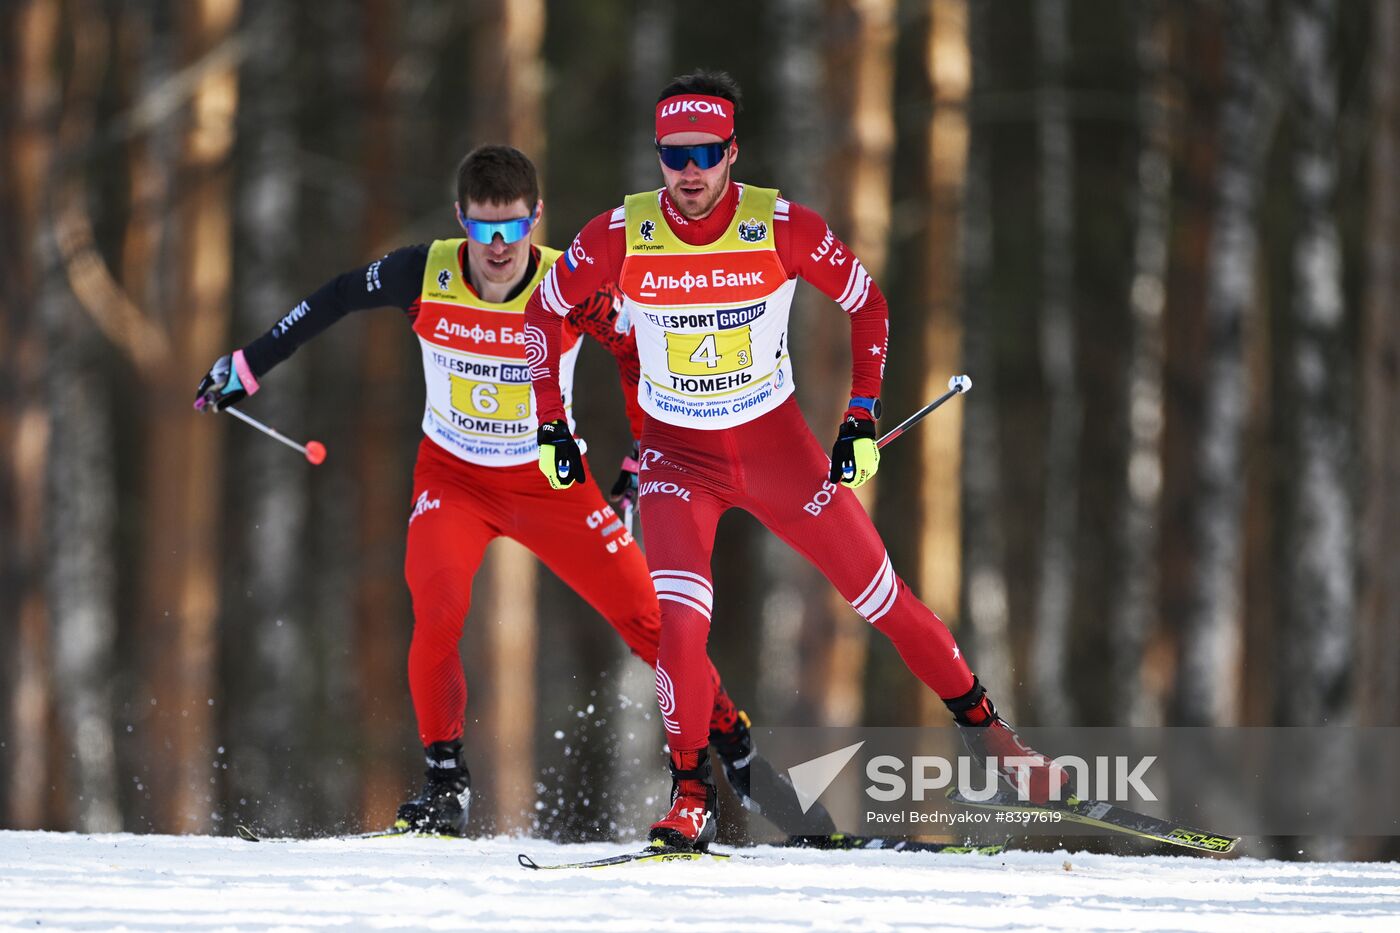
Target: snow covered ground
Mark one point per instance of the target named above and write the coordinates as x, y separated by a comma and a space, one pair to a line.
60, 881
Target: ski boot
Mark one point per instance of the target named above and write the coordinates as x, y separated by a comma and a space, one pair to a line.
776, 800
736, 754
987, 735
692, 821
441, 806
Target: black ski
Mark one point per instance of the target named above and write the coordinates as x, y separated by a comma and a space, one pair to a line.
1107, 816
649, 854
249, 835
832, 842
849, 841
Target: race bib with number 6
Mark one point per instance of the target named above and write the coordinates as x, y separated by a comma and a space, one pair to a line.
500, 401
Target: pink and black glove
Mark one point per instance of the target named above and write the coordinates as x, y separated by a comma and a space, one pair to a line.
229, 381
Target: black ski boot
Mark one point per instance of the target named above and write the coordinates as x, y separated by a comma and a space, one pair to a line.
734, 744
987, 735
776, 801
441, 806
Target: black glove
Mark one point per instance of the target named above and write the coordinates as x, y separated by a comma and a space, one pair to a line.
221, 386
561, 461
854, 456
623, 494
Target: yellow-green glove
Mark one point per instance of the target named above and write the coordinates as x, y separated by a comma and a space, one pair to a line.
561, 461
854, 456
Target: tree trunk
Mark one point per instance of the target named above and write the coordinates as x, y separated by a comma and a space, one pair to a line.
31, 95
985, 600
1319, 525
508, 40
636, 765
1195, 53
80, 569
183, 472
1208, 685
787, 648
81, 493
269, 634
858, 74
1379, 635
381, 601
1054, 597
920, 505
1134, 602
81, 576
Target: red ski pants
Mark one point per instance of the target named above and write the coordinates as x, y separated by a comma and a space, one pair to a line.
774, 469
458, 508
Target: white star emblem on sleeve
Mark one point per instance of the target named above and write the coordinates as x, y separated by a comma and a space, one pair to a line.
874, 349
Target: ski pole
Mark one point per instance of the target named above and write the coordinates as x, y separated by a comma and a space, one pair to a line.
957, 385
314, 451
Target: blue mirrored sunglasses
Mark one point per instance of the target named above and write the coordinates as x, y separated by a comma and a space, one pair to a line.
484, 231
705, 155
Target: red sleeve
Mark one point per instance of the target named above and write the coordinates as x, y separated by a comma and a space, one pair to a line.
587, 266
598, 317
807, 247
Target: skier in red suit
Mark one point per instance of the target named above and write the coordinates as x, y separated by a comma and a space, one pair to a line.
707, 268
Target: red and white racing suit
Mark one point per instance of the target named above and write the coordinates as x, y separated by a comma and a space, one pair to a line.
476, 477
709, 303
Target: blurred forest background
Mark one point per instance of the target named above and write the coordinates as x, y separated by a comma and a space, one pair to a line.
1161, 237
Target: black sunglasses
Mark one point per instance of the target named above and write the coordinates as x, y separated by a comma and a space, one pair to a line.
704, 155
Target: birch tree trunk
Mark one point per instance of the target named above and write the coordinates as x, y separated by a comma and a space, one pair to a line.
1319, 528
1196, 54
1055, 592
81, 488
1379, 637
1134, 603
31, 97
1207, 685
269, 630
81, 576
985, 600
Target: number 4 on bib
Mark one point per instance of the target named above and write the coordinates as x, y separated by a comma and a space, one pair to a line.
709, 354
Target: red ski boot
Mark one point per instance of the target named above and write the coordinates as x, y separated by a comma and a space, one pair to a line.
692, 821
